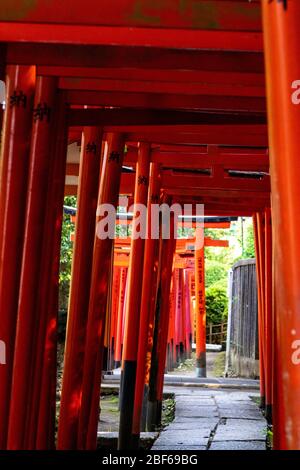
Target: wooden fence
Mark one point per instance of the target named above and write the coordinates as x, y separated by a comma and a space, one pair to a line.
216, 334
242, 342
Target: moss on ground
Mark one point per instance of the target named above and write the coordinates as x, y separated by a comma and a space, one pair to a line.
168, 411
219, 364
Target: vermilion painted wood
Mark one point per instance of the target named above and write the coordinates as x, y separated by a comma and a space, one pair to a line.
240, 79
133, 304
281, 33
15, 146
191, 282
183, 318
218, 180
224, 15
162, 101
200, 311
80, 287
171, 347
32, 265
180, 261
151, 86
178, 310
114, 315
218, 184
232, 206
260, 312
108, 194
187, 310
133, 57
131, 36
182, 244
268, 313
44, 397
230, 49
152, 313
261, 286
168, 249
130, 117
148, 290
119, 337
198, 157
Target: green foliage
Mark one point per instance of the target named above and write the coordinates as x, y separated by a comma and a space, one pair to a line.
221, 284
249, 248
66, 252
215, 271
168, 411
123, 231
216, 305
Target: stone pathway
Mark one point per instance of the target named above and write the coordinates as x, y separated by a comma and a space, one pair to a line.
213, 420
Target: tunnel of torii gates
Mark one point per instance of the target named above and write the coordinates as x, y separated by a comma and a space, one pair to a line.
180, 92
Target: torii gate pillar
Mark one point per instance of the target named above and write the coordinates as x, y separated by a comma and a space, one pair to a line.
281, 23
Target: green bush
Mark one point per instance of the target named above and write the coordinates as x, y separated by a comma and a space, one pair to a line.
215, 271
221, 284
216, 304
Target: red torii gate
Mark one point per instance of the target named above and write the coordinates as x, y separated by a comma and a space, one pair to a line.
208, 61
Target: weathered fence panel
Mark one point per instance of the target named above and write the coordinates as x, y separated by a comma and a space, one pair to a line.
242, 341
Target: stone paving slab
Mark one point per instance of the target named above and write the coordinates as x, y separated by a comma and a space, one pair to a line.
241, 430
240, 412
197, 411
200, 399
233, 397
188, 405
219, 420
203, 432
186, 438
191, 402
190, 423
238, 445
162, 448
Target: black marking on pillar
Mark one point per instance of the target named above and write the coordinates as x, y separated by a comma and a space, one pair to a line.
126, 406
121, 388
284, 3
201, 365
201, 360
172, 354
135, 441
158, 413
112, 353
105, 367
269, 414
144, 408
117, 364
177, 354
182, 352
170, 357
154, 359
152, 415
262, 403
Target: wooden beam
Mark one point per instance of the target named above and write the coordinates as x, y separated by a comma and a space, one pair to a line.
114, 56
227, 15
137, 117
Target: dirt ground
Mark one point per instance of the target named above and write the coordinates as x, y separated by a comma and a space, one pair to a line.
215, 364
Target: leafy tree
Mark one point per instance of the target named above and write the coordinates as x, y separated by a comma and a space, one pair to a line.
66, 253
215, 271
216, 305
249, 249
